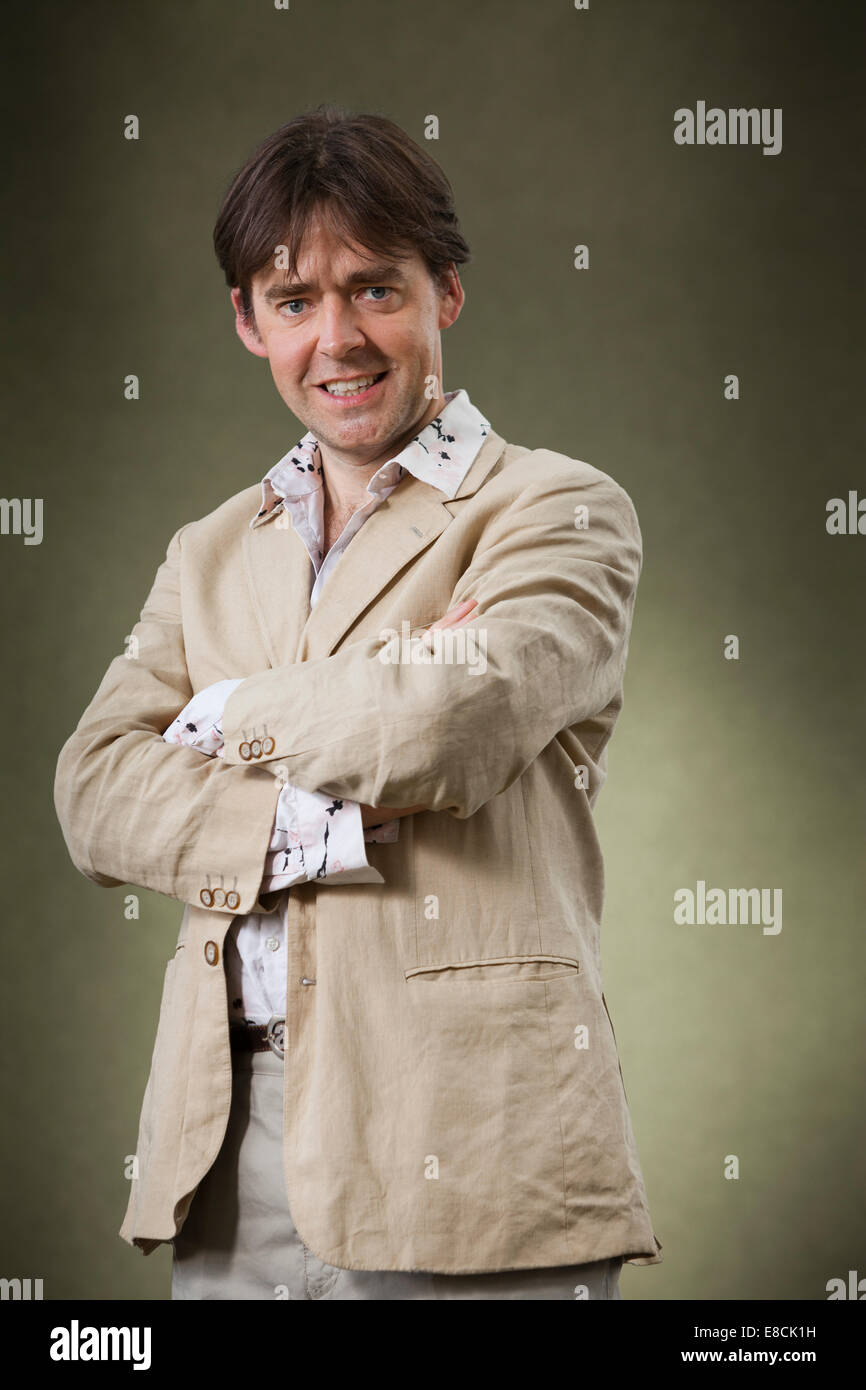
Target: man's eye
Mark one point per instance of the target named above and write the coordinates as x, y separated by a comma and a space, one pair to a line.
380, 291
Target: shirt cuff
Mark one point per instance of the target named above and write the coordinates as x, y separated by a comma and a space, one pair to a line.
198, 723
329, 835
384, 834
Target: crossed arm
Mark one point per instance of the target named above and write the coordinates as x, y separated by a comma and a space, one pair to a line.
555, 604
311, 831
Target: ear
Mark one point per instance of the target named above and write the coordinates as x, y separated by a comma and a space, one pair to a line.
451, 297
246, 331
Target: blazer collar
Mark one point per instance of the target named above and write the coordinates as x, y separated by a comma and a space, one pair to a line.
278, 568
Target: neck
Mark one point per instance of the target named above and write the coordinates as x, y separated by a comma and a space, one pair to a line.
346, 478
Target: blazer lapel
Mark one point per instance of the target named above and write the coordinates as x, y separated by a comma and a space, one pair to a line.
280, 572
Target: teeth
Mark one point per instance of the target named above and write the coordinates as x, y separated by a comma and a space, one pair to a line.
349, 388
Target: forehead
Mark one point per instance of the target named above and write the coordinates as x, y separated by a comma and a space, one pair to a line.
325, 259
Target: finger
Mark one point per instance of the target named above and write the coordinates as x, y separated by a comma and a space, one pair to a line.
461, 613
457, 614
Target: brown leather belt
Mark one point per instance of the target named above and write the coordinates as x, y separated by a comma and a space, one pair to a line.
259, 1037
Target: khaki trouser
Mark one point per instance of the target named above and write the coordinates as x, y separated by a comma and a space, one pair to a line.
239, 1240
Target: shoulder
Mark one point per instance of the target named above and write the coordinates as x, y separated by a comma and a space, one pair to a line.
227, 522
524, 474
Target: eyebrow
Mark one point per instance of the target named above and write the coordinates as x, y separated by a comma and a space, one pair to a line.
370, 275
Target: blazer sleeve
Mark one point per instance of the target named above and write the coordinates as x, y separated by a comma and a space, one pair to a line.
555, 606
135, 809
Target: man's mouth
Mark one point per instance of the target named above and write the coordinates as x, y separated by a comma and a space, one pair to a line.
351, 388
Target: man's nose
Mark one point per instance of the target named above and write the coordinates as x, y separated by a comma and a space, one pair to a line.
339, 330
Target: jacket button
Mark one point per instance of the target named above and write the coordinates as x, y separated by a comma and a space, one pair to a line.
219, 897
268, 746
232, 899
244, 751
206, 897
256, 748
211, 952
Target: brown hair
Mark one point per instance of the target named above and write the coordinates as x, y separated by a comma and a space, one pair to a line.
362, 174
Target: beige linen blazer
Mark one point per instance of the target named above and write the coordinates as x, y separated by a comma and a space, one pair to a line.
453, 1095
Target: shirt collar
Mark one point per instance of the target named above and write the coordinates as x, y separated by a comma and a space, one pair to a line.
441, 454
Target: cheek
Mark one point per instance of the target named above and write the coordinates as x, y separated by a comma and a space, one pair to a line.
410, 349
402, 333
285, 366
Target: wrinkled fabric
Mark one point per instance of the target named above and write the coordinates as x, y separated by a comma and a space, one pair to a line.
453, 1100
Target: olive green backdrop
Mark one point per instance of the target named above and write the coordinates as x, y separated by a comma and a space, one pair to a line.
556, 128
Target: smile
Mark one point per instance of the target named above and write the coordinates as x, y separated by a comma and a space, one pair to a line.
361, 388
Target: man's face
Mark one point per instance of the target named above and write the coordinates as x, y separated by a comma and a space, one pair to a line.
351, 314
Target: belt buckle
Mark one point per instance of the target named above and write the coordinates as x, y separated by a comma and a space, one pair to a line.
276, 1035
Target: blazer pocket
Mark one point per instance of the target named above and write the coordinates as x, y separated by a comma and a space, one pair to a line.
497, 970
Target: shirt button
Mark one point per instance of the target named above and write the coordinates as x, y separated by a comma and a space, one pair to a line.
273, 943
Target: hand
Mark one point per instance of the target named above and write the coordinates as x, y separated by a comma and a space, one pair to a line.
455, 617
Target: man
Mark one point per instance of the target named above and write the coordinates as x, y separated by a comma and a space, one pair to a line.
359, 734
